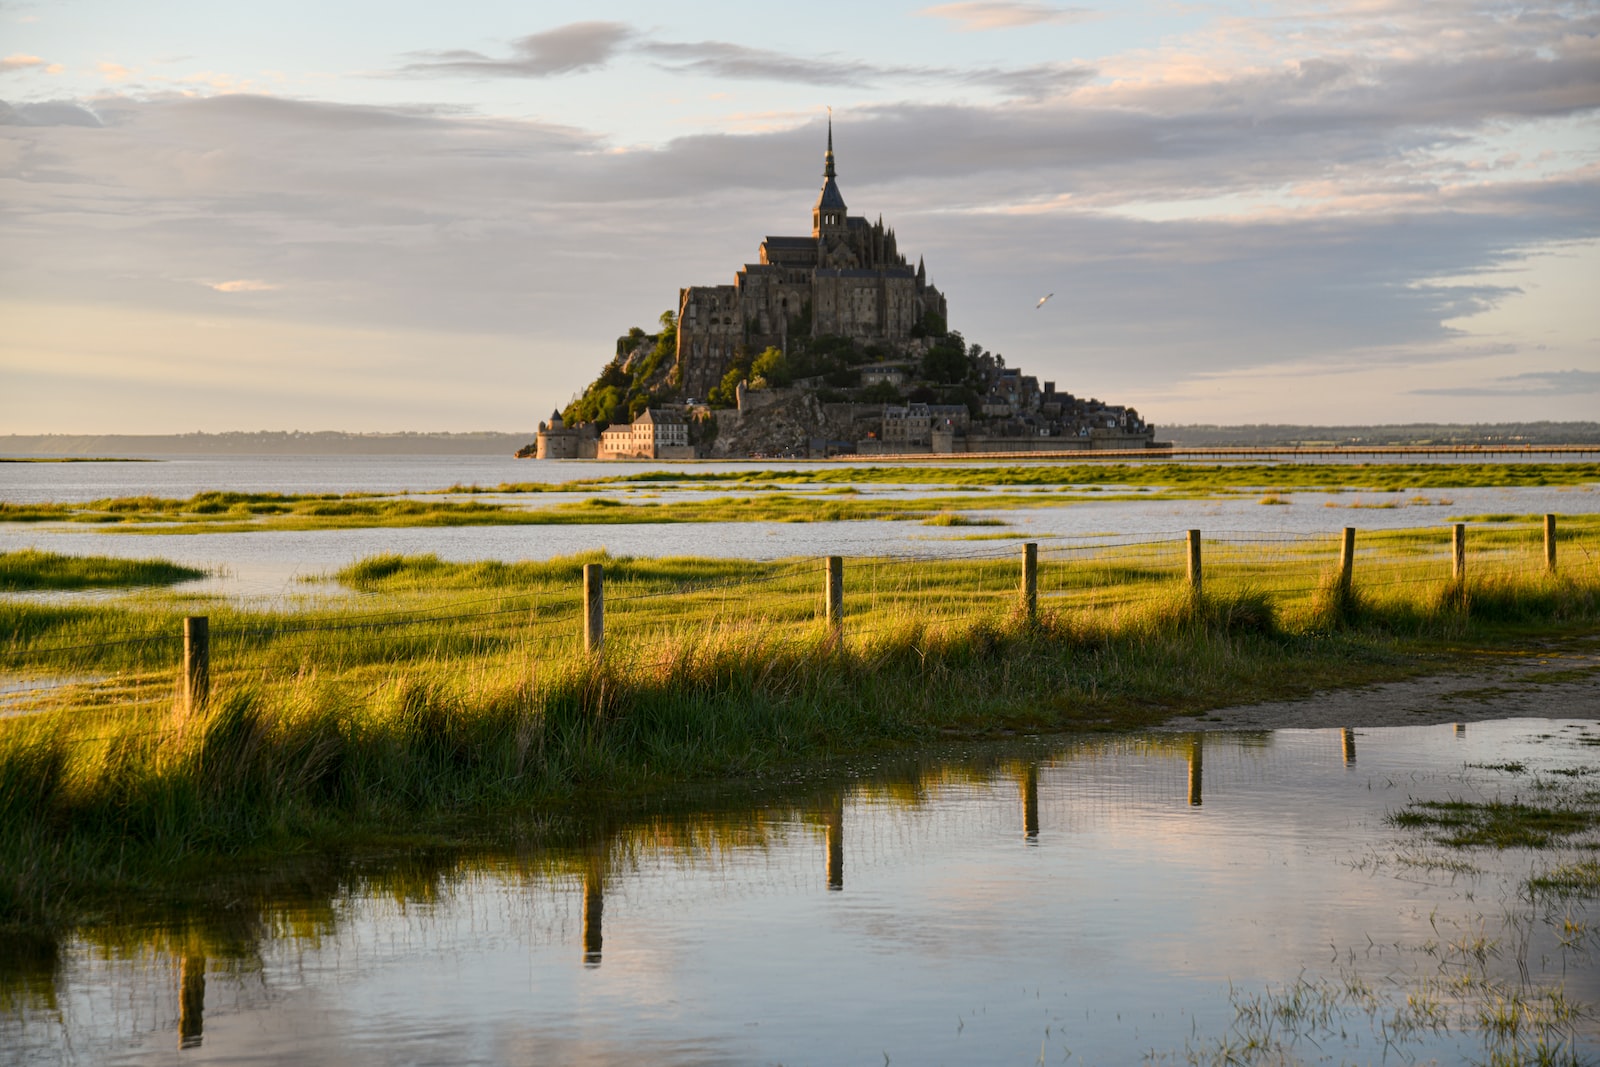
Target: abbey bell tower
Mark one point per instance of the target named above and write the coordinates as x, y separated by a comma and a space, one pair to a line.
828, 217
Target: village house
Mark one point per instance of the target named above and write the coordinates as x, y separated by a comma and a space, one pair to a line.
652, 435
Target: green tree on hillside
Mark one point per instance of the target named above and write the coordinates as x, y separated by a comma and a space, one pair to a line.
725, 393
770, 369
946, 363
622, 391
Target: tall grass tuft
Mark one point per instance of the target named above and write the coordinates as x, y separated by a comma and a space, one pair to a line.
1336, 604
30, 569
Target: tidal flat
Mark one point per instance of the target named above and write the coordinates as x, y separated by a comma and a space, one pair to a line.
837, 494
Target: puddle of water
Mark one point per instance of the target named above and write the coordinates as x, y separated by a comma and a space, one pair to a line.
24, 696
1089, 901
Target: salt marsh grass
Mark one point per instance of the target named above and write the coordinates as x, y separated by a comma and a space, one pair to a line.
764, 499
443, 691
30, 569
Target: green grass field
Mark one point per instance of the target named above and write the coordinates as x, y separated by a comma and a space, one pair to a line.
418, 692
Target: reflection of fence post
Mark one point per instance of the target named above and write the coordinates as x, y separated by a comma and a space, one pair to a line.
1030, 580
196, 662
1347, 560
834, 833
594, 606
1197, 769
191, 1001
1458, 551
594, 904
1194, 561
1550, 543
833, 588
1348, 736
1030, 803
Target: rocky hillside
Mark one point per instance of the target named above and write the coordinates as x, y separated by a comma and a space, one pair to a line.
782, 422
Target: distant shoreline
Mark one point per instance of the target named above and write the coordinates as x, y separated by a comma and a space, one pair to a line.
84, 447
1408, 435
76, 459
1459, 437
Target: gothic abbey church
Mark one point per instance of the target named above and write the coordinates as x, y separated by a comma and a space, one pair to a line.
848, 279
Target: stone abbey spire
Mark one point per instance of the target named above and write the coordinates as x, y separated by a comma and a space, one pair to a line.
830, 214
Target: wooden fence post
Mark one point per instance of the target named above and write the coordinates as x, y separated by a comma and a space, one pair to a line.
833, 588
1550, 543
1030, 580
196, 663
594, 606
1458, 551
1194, 561
1347, 560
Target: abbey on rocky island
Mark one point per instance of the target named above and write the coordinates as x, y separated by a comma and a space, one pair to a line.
831, 344
848, 279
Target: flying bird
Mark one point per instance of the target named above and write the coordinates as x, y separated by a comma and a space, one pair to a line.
1042, 299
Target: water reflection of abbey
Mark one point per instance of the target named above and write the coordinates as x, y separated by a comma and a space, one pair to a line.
829, 837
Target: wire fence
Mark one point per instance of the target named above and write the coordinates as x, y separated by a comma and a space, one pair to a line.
114, 660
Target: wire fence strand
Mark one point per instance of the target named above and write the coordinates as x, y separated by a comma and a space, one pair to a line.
886, 593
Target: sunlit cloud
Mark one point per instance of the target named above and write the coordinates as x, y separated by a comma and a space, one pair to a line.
244, 285
975, 16
18, 61
112, 72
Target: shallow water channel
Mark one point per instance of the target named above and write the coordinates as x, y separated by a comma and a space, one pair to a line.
1071, 900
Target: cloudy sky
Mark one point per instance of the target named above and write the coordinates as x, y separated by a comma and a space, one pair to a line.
395, 215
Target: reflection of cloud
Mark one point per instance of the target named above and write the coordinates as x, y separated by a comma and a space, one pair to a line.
978, 15
1531, 383
244, 285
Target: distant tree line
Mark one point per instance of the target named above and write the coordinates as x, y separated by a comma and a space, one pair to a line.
1417, 433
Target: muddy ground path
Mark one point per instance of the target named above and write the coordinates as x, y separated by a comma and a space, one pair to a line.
1559, 680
